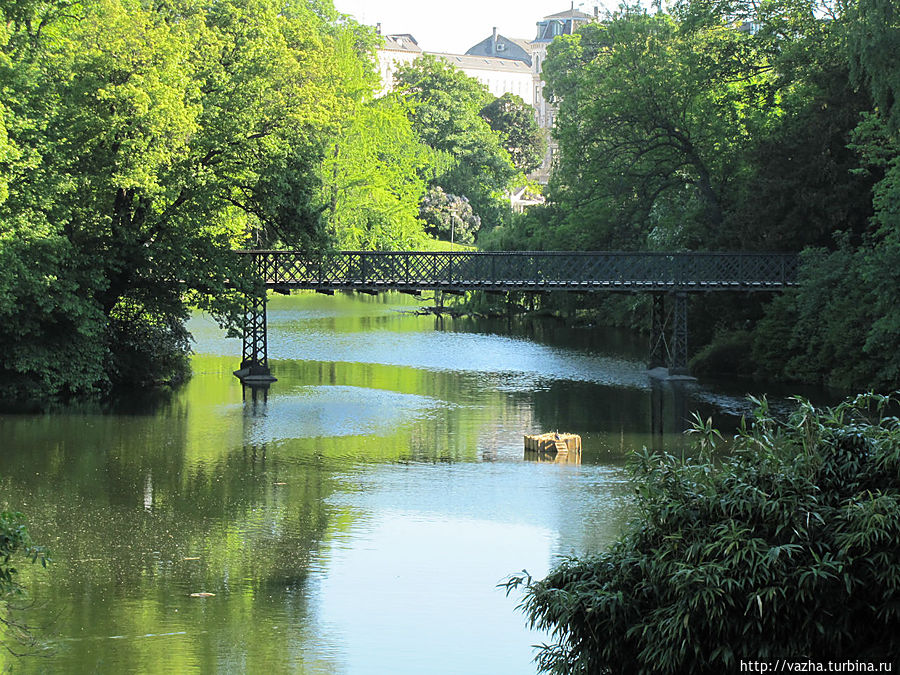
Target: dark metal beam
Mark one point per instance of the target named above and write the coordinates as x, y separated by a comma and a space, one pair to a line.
254, 368
658, 344
534, 272
678, 356
372, 272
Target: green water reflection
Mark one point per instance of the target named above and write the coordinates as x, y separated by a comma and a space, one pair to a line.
356, 519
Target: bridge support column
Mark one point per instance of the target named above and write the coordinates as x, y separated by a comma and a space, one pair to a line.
678, 356
658, 346
254, 370
669, 333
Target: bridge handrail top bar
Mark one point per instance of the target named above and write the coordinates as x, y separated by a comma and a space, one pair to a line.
659, 254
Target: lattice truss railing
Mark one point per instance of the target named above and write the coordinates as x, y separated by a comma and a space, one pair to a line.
255, 347
563, 270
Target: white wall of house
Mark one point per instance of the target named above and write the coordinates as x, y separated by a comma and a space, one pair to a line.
499, 75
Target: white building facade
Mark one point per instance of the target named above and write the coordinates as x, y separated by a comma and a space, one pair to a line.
500, 76
502, 64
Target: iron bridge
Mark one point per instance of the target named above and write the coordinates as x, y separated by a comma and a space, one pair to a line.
669, 277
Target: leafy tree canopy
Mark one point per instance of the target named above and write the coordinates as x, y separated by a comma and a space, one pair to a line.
375, 175
445, 106
514, 120
700, 128
140, 142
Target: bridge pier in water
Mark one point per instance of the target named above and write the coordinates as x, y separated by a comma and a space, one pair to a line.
669, 333
254, 370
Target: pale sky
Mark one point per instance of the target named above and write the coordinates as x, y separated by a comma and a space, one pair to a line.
455, 25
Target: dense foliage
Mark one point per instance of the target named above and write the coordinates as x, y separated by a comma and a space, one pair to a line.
787, 548
144, 141
741, 126
141, 143
842, 326
720, 125
374, 177
520, 135
445, 112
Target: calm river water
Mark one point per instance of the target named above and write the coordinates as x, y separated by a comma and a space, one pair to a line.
358, 520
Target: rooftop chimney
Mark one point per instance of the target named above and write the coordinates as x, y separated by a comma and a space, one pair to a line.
494, 42
378, 28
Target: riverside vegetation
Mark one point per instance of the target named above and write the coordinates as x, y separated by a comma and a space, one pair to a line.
786, 548
739, 125
140, 143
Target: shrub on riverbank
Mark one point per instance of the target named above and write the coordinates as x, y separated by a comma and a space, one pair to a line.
786, 549
15, 543
728, 353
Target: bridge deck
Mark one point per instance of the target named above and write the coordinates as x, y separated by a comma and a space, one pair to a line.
527, 271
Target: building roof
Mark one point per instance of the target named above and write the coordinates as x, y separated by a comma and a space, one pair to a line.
502, 47
562, 23
402, 42
524, 44
483, 62
570, 14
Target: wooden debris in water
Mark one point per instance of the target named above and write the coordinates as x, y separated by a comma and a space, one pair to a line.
203, 595
552, 457
554, 442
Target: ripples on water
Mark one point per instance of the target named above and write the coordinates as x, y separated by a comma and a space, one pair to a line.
357, 519
334, 411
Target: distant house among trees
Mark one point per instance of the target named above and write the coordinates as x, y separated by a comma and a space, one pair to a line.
502, 64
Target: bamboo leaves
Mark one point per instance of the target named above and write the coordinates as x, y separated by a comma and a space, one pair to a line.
787, 547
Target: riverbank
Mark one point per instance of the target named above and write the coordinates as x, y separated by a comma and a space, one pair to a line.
715, 352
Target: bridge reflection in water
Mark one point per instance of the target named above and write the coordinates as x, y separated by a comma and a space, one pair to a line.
668, 277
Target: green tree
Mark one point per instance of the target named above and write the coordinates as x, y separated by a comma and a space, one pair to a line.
785, 549
514, 120
801, 183
854, 285
374, 177
448, 217
144, 141
823, 331
699, 128
873, 32
445, 106
650, 113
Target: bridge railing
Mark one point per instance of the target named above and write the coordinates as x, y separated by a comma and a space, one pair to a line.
472, 270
